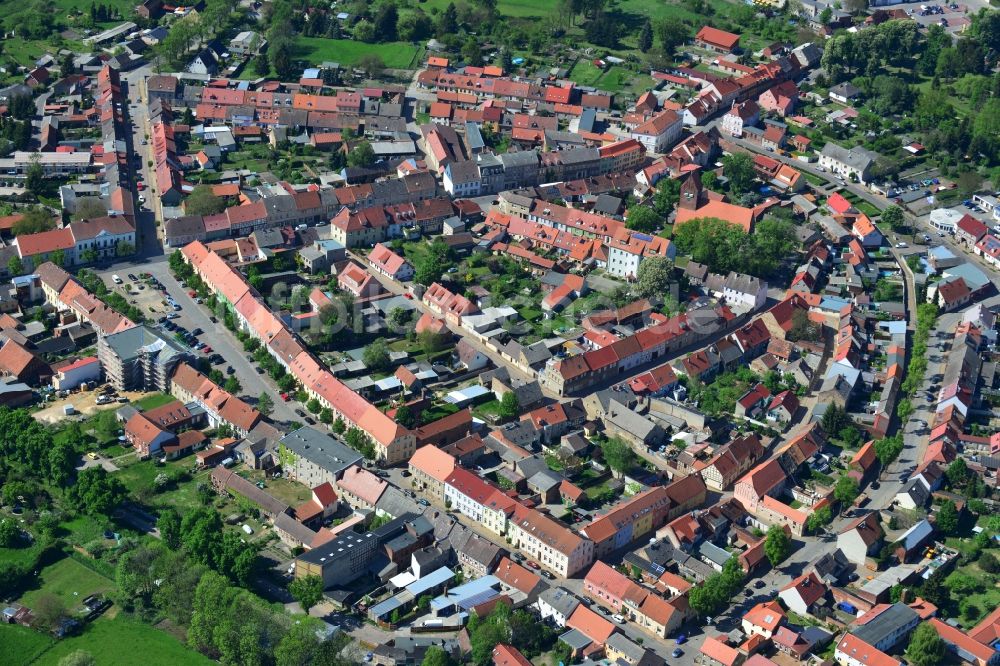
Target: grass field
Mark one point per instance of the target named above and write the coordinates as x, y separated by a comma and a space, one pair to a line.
395, 55
70, 581
614, 79
153, 401
117, 641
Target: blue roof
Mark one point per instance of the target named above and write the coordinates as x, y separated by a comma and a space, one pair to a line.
472, 590
384, 608
833, 304
913, 536
311, 73
430, 581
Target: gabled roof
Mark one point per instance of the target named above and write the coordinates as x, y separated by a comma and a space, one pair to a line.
767, 615
433, 462
591, 625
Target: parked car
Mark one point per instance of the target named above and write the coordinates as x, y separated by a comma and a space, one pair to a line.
676, 653
533, 565
299, 412
547, 574
284, 397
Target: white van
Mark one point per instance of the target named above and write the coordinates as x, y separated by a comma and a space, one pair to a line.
116, 279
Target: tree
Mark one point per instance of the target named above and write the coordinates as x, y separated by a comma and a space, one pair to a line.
265, 404
472, 52
124, 249
957, 473
668, 193
376, 355
739, 169
386, 20
34, 177
988, 562
398, 317
431, 265
819, 518
371, 64
361, 155
510, 407
436, 656
15, 267
169, 524
202, 201
313, 406
947, 518
845, 491
34, 220
96, 492
88, 208
326, 415
926, 647
49, 611
232, 384
654, 277
618, 455
307, 590
405, 417
642, 218
281, 60
78, 658
888, 449
671, 33
431, 342
777, 545
10, 533
893, 216
646, 37
339, 426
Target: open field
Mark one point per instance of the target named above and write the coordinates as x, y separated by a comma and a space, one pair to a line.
316, 50
108, 641
69, 580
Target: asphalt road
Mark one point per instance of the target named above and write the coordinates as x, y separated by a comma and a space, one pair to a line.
215, 335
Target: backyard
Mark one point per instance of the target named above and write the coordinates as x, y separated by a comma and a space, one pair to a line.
109, 641
347, 52
70, 581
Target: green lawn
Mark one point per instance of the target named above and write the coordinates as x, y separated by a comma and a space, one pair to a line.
395, 55
109, 641
613, 79
153, 401
70, 581
20, 645
139, 478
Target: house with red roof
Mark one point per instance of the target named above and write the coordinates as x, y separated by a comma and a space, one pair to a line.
431, 467
763, 619
591, 625
803, 594
969, 230
317, 508
716, 40
389, 263
356, 280
715, 651
752, 403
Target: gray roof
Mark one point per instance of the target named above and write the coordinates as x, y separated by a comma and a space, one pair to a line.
916, 534
893, 619
560, 599
620, 643
544, 480
857, 157
130, 343
318, 447
395, 503
519, 159
480, 550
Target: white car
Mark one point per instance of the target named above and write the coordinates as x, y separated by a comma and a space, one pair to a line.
901, 244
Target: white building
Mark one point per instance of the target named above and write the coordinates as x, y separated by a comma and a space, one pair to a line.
945, 219
72, 375
659, 132
557, 603
847, 162
624, 257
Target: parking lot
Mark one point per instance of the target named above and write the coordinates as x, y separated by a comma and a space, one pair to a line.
952, 16
190, 316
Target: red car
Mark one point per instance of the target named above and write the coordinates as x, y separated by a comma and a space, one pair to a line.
207, 349
284, 396
192, 293
140, 186
533, 565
